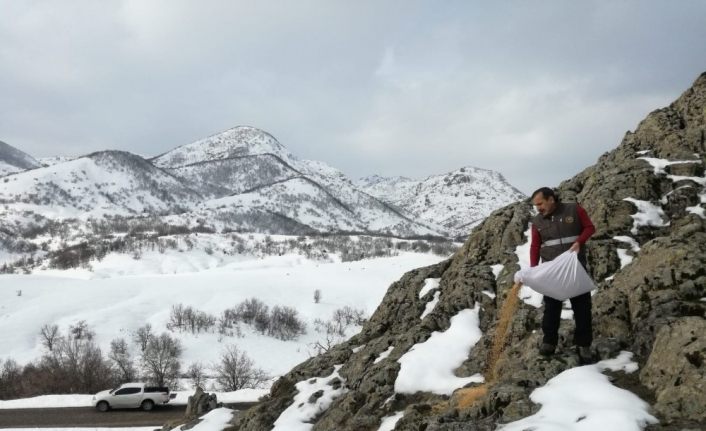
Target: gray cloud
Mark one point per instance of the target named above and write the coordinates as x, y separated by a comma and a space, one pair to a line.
536, 90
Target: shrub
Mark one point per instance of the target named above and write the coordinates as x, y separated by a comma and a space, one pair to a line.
262, 321
349, 316
189, 319
227, 324
249, 310
237, 371
334, 329
285, 323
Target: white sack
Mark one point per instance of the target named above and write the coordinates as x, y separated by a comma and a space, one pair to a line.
561, 278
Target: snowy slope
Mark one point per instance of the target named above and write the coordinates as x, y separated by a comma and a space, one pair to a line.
99, 184
384, 186
223, 177
299, 199
13, 160
50, 161
122, 294
457, 200
377, 214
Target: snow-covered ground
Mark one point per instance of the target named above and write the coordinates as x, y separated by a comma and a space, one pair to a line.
116, 305
598, 405
422, 369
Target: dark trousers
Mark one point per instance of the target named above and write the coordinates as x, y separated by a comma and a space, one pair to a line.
581, 305
583, 334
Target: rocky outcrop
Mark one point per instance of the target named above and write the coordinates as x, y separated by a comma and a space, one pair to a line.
200, 403
675, 369
651, 272
197, 406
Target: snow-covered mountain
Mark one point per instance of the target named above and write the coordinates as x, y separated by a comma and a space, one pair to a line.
457, 201
236, 142
240, 180
245, 170
105, 183
13, 160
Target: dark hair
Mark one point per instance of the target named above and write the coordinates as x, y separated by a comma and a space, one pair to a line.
546, 192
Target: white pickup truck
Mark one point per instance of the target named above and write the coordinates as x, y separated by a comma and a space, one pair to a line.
130, 396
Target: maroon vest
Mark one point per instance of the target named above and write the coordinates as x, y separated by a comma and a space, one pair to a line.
559, 231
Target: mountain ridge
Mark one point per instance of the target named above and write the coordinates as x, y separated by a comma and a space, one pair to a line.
430, 199
187, 185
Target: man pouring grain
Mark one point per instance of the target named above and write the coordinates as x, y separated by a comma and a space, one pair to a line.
557, 228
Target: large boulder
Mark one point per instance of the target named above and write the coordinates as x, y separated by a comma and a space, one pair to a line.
200, 403
675, 369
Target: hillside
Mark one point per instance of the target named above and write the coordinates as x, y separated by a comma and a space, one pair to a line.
99, 184
458, 200
249, 171
647, 200
13, 160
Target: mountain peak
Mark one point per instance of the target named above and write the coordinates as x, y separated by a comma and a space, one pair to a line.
239, 141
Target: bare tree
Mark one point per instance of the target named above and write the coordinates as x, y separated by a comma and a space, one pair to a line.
237, 371
75, 365
322, 346
142, 336
334, 329
317, 296
50, 335
10, 379
176, 318
120, 355
160, 359
196, 374
81, 331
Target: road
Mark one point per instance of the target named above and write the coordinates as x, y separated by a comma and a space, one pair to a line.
88, 416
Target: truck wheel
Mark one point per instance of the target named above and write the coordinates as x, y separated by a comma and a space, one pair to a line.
147, 405
102, 406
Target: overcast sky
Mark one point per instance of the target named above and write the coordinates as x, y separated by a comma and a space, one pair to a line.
537, 90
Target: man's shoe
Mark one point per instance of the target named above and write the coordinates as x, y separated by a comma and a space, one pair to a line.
585, 355
547, 349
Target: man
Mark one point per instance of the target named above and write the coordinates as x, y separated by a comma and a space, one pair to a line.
557, 228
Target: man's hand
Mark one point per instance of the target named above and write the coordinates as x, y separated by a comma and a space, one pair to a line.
575, 247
